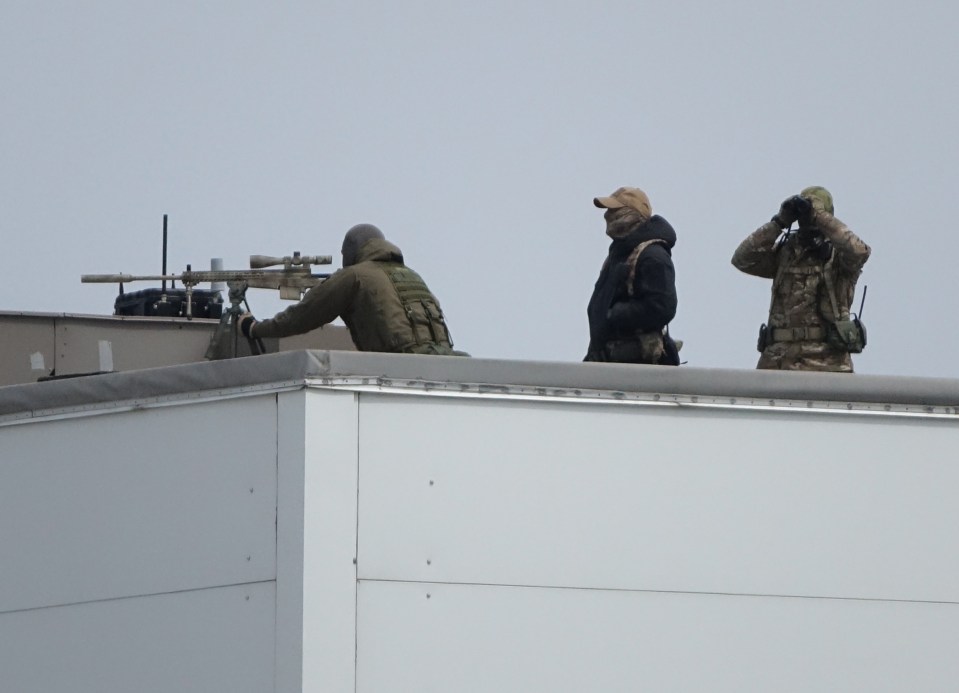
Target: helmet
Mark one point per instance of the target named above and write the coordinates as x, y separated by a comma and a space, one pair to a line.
818, 194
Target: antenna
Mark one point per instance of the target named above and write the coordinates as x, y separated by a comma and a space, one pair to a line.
863, 302
164, 253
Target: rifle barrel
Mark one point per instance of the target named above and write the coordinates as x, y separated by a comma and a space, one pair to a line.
124, 278
257, 279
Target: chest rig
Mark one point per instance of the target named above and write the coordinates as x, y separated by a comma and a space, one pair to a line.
841, 330
426, 319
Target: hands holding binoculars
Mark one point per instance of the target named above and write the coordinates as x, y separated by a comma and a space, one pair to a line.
793, 209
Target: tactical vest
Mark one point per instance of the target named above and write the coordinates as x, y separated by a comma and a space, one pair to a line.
842, 331
427, 323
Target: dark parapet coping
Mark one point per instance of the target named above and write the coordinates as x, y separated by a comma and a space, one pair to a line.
298, 368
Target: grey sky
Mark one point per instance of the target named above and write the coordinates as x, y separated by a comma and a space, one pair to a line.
476, 135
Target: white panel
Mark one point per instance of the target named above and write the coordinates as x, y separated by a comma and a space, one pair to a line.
291, 454
657, 498
207, 641
486, 638
329, 542
137, 503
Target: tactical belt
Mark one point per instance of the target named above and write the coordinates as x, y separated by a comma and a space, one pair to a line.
798, 334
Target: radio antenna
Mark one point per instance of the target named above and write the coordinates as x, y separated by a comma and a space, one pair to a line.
164, 253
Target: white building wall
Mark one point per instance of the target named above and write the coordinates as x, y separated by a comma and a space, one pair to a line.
139, 549
490, 638
216, 640
329, 547
352, 540
509, 545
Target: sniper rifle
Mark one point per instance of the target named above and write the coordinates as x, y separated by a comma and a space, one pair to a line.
292, 281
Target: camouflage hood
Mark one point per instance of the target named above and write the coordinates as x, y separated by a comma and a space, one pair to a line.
379, 250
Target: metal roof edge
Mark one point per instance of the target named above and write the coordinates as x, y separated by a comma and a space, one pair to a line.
632, 378
457, 390
167, 382
301, 366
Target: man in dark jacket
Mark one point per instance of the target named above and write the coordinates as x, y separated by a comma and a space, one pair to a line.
385, 304
635, 296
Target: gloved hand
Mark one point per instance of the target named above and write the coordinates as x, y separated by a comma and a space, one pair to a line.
245, 322
788, 212
802, 207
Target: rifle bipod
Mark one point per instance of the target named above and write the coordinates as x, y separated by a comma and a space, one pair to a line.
225, 341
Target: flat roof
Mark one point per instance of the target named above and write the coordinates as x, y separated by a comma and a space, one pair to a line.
296, 369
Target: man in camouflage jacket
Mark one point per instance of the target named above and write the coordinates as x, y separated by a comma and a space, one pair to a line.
814, 273
635, 295
385, 304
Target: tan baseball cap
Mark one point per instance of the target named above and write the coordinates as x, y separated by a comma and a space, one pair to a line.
634, 198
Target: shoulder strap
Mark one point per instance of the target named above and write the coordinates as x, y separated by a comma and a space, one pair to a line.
780, 271
827, 280
634, 258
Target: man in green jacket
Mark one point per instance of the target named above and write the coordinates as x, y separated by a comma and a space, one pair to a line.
385, 304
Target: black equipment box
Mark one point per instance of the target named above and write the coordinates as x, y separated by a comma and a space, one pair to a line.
206, 303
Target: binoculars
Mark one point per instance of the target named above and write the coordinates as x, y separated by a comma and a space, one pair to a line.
799, 206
